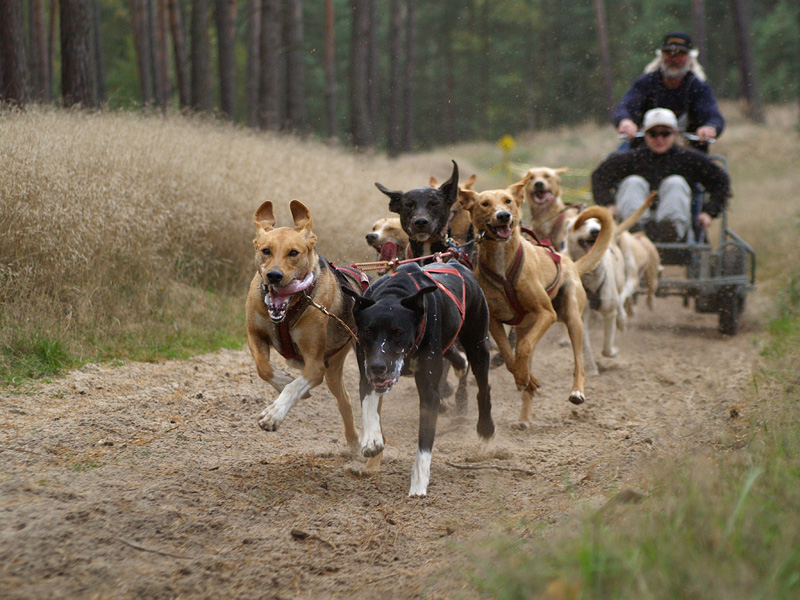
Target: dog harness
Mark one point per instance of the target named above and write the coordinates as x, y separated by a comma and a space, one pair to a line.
460, 304
508, 282
350, 276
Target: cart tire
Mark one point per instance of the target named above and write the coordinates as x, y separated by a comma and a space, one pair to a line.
731, 304
734, 261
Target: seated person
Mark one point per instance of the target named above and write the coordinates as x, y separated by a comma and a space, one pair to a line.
675, 82
670, 169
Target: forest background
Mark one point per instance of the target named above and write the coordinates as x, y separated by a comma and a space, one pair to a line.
396, 75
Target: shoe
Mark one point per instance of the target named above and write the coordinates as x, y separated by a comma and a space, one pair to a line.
665, 232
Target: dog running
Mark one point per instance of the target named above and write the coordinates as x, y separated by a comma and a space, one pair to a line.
291, 279
408, 323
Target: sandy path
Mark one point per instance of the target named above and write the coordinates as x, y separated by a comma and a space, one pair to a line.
153, 480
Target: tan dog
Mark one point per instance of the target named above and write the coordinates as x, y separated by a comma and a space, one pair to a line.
526, 287
388, 239
459, 223
647, 262
541, 189
279, 316
612, 283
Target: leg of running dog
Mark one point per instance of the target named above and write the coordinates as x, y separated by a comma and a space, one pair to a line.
459, 363
313, 373
588, 356
426, 376
477, 349
333, 378
575, 300
526, 342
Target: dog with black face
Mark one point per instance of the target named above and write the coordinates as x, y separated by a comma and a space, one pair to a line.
407, 323
425, 214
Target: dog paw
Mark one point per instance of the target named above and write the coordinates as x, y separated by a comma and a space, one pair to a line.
610, 353
530, 385
577, 397
521, 425
497, 361
270, 418
370, 448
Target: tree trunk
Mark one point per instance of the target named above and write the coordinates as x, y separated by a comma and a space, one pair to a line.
359, 74
330, 70
179, 51
253, 19
699, 28
225, 13
270, 86
394, 133
13, 85
77, 79
98, 63
41, 90
605, 55
201, 86
142, 43
162, 54
372, 68
296, 110
409, 75
741, 17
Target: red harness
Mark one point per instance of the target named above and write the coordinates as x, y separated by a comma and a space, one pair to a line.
284, 345
460, 305
508, 282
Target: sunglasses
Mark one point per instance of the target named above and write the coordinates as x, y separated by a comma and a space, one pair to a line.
658, 134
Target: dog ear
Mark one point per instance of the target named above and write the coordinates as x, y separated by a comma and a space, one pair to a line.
467, 185
433, 182
561, 170
394, 197
301, 215
515, 189
466, 197
449, 188
264, 219
360, 302
417, 301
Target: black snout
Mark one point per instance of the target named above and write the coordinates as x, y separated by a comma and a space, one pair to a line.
421, 223
372, 238
274, 276
503, 217
538, 186
377, 369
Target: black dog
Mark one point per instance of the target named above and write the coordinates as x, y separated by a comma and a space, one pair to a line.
425, 214
407, 323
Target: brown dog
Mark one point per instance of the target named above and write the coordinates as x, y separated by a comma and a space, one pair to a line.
541, 189
459, 223
388, 239
529, 286
290, 275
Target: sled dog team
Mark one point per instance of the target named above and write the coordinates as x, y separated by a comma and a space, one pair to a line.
410, 320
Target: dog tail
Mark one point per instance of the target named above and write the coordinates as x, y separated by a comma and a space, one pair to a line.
591, 259
636, 215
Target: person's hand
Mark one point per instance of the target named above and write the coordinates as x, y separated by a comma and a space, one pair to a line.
704, 219
628, 128
706, 132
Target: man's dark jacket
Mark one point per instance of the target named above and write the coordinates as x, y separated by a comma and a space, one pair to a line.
692, 98
694, 167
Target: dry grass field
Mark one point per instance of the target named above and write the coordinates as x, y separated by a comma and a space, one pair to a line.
124, 237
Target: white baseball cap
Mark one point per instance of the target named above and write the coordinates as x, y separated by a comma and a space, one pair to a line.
660, 116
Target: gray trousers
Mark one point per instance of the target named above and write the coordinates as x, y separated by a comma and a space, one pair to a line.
674, 201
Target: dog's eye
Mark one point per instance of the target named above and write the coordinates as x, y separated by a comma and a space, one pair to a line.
485, 203
398, 333
508, 200
293, 253
266, 251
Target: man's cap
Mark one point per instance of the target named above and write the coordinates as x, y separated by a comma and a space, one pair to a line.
659, 116
677, 40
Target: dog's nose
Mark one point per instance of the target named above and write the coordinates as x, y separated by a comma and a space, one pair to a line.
274, 276
421, 222
372, 237
539, 186
503, 216
376, 369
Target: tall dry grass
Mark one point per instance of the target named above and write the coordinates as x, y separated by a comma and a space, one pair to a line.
114, 226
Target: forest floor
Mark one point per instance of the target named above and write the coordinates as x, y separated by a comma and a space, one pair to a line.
154, 481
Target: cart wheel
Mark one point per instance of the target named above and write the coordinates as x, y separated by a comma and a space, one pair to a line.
730, 304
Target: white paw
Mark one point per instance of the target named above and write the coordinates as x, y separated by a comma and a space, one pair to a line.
577, 397
271, 417
610, 353
420, 474
371, 447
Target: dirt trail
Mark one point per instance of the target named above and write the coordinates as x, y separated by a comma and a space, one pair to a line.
153, 480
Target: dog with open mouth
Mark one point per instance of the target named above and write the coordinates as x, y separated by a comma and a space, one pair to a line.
408, 323
541, 189
530, 286
388, 239
291, 282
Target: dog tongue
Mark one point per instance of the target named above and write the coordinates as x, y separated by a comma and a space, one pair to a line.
277, 299
389, 251
504, 231
294, 286
545, 197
